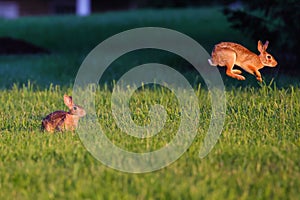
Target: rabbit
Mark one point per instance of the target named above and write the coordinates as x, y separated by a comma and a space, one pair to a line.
229, 54
61, 120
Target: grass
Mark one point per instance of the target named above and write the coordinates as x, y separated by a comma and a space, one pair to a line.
256, 156
67, 34
71, 38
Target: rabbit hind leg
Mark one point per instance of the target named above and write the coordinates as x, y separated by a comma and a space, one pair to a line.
47, 126
231, 73
234, 73
60, 125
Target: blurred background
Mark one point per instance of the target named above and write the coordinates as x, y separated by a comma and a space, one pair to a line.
46, 40
17, 8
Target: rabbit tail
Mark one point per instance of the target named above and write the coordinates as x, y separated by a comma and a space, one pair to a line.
211, 62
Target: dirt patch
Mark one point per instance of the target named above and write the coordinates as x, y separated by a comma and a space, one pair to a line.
11, 46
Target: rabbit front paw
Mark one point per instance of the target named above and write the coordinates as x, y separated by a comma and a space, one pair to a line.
259, 79
258, 75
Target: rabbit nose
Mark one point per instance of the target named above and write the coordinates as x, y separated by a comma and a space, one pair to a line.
83, 113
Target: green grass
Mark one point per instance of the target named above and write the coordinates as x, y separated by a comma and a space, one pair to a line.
256, 156
67, 34
71, 38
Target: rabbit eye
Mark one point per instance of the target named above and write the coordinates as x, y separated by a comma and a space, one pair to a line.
269, 57
74, 108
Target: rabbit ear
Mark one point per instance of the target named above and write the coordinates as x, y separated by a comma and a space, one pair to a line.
266, 45
68, 100
260, 47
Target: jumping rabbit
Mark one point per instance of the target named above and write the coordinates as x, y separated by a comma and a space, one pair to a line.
229, 54
62, 120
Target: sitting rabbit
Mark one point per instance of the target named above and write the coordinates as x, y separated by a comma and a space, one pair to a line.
229, 54
61, 120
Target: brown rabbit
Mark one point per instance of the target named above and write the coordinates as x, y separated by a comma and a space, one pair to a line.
229, 54
61, 120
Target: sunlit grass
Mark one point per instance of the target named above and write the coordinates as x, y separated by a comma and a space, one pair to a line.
257, 155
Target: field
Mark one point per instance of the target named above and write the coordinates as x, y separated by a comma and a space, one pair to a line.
256, 156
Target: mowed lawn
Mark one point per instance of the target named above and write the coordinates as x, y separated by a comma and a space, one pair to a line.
256, 156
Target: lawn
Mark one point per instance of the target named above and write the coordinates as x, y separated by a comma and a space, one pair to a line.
71, 38
256, 156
